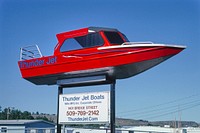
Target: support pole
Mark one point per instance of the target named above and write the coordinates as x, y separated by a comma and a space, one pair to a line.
112, 107
60, 91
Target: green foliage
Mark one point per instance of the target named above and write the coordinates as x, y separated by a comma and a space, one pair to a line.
13, 114
42, 118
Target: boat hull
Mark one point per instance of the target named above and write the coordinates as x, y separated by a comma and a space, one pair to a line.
129, 70
116, 63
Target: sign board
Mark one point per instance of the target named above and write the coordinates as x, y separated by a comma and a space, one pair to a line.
84, 108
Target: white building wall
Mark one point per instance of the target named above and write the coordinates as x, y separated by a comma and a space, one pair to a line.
140, 129
14, 129
151, 129
88, 131
193, 130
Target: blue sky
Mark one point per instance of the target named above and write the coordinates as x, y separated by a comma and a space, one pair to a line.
166, 92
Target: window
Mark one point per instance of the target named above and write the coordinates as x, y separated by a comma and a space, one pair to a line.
114, 37
86, 41
3, 129
124, 36
70, 44
90, 40
184, 131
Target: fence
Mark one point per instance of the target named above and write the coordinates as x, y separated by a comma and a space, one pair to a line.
67, 130
27, 130
82, 130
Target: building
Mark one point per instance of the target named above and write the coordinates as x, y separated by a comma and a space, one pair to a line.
137, 129
26, 126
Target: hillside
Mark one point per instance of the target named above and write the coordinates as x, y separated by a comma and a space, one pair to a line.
132, 122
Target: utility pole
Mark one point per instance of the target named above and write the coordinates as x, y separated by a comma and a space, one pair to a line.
9, 109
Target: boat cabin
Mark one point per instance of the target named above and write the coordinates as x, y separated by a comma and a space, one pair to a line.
91, 37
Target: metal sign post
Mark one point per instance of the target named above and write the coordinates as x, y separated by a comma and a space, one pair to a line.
112, 107
89, 81
60, 91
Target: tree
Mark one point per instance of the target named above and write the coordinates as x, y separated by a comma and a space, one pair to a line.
42, 118
14, 114
3, 115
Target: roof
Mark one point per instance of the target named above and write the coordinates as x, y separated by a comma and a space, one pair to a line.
21, 122
81, 32
97, 29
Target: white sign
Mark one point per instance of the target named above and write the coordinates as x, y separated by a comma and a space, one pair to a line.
84, 108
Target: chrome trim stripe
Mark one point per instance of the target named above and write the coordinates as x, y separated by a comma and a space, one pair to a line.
140, 45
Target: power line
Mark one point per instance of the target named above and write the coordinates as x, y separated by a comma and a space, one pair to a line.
163, 108
158, 105
150, 111
175, 111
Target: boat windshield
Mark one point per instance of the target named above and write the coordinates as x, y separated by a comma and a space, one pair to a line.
125, 38
115, 37
87, 41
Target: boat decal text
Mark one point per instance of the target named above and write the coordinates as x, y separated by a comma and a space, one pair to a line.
38, 62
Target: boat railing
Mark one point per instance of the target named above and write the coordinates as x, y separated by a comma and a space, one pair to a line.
30, 52
128, 43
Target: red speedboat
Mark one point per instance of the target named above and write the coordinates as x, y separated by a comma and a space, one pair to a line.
92, 51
